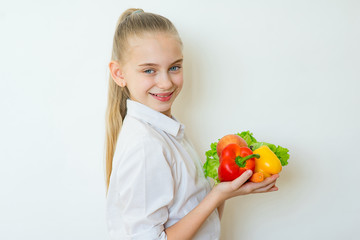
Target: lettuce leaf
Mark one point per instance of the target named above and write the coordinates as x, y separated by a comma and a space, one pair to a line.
248, 137
283, 155
255, 146
212, 163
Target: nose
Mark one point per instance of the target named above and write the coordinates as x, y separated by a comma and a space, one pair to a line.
164, 81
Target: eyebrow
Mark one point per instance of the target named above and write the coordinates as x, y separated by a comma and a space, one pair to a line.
154, 64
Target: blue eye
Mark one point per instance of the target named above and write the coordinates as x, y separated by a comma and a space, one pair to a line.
175, 67
147, 71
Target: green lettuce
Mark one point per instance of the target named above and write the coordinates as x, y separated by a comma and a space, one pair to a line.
212, 163
212, 159
248, 137
283, 155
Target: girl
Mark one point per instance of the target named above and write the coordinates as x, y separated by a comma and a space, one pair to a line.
156, 187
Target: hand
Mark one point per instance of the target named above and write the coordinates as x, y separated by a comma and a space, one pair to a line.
239, 186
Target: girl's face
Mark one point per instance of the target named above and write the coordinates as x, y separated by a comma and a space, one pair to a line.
153, 71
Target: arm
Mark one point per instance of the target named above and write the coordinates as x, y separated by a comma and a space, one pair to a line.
187, 227
221, 209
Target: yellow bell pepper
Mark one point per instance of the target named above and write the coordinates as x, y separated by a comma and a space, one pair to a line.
268, 163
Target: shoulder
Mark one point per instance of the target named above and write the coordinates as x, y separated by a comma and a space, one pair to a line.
136, 131
138, 138
141, 150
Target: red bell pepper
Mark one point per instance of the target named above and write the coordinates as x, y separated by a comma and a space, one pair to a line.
234, 161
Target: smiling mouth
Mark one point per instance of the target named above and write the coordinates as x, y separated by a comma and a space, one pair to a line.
162, 95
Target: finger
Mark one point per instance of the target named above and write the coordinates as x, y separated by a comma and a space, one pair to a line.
263, 184
274, 188
269, 180
238, 182
272, 177
265, 188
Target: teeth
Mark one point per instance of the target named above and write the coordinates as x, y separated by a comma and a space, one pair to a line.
159, 96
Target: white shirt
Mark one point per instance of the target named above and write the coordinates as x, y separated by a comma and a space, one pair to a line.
156, 178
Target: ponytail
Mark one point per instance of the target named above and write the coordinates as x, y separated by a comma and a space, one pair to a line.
115, 114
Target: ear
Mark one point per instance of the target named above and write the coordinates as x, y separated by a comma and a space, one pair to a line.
117, 73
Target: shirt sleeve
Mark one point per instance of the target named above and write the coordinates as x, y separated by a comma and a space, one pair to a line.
146, 189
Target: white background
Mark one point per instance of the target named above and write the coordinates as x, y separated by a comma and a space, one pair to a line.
289, 71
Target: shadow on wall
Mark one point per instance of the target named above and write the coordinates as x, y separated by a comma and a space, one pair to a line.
188, 107
191, 97
185, 100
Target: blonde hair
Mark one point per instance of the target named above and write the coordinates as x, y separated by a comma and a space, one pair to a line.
130, 24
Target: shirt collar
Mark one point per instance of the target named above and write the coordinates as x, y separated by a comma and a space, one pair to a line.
155, 118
